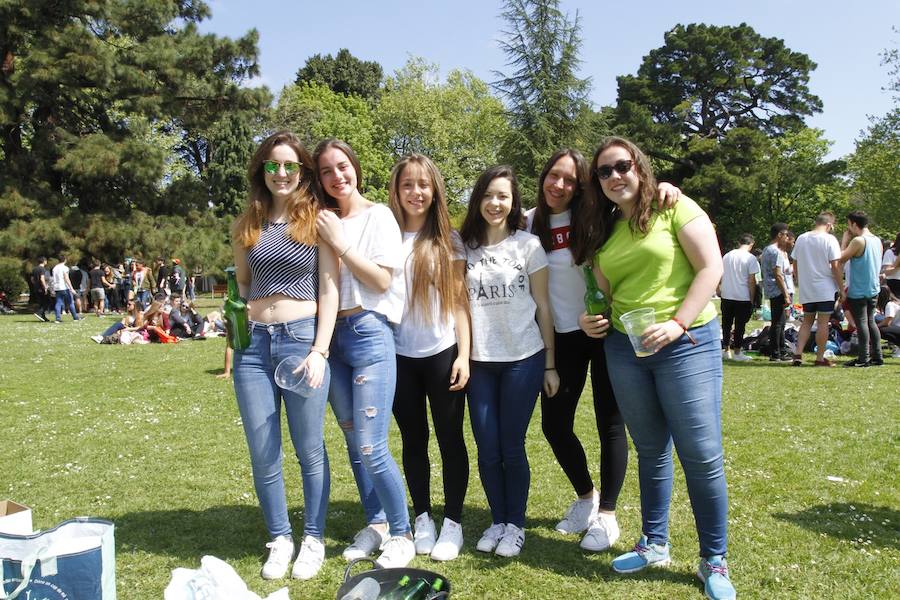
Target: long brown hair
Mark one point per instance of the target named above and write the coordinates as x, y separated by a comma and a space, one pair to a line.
432, 255
599, 220
302, 206
474, 227
344, 147
583, 194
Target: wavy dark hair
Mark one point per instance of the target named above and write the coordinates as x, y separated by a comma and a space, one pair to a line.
597, 222
302, 206
474, 227
583, 194
344, 147
432, 254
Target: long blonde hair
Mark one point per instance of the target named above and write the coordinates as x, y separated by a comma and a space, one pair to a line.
302, 206
432, 255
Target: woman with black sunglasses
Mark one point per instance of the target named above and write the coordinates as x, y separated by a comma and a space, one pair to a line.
667, 260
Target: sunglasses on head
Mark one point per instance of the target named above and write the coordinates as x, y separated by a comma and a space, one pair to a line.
621, 167
271, 167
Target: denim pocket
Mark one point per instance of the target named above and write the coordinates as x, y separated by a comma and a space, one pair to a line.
301, 331
366, 336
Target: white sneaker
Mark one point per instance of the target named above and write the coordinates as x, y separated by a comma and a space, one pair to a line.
424, 534
281, 551
896, 353
491, 537
397, 552
741, 357
727, 355
366, 541
603, 533
512, 541
450, 542
309, 559
97, 338
579, 515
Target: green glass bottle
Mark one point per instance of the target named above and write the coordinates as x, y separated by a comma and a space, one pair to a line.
235, 310
417, 591
435, 588
397, 590
595, 301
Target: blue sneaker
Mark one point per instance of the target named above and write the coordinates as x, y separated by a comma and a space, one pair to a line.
643, 555
713, 572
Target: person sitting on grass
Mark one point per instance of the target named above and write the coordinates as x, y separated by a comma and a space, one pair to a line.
132, 321
889, 324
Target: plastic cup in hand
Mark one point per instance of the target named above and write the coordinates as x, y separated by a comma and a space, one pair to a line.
635, 322
288, 378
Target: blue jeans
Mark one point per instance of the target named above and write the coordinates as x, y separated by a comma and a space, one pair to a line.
364, 376
64, 298
259, 401
143, 298
502, 396
113, 328
676, 395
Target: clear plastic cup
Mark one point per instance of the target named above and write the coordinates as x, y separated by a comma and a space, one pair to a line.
635, 322
289, 378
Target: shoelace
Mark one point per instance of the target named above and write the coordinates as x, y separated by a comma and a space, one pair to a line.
720, 570
278, 551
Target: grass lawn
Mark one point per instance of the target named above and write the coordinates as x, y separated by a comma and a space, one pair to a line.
147, 437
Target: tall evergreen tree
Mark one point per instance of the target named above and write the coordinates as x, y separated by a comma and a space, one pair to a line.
546, 99
343, 73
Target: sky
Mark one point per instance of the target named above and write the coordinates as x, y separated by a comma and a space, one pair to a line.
845, 39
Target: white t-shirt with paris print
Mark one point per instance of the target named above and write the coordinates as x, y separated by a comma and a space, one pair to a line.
504, 328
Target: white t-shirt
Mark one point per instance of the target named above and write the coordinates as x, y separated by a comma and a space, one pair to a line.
739, 266
788, 274
414, 337
504, 328
59, 277
887, 261
566, 282
890, 312
374, 233
813, 253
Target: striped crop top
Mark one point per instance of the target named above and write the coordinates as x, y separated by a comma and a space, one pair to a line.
281, 265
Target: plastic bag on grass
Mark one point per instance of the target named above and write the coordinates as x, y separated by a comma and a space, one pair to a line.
214, 580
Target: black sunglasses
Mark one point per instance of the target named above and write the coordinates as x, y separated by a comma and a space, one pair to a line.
621, 167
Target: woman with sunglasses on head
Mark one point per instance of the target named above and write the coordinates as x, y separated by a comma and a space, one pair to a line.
433, 343
290, 281
668, 260
512, 349
562, 185
368, 243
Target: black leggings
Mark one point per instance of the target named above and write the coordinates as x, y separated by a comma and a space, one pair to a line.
574, 352
867, 332
416, 378
776, 330
735, 312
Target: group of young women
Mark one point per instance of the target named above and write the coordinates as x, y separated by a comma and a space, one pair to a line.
390, 306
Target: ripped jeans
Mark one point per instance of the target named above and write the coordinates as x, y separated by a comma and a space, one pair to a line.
363, 379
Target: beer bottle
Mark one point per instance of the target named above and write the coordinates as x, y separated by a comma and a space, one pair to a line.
235, 311
595, 301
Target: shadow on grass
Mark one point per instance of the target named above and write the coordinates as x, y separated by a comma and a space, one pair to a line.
234, 532
875, 525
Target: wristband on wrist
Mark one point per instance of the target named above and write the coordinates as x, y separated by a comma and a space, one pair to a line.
346, 250
550, 369
324, 353
680, 323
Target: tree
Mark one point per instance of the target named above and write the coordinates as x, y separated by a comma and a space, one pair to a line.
83, 84
314, 112
344, 74
546, 99
456, 123
233, 146
706, 80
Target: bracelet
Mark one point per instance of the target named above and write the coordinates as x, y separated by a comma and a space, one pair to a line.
346, 250
680, 323
324, 353
550, 369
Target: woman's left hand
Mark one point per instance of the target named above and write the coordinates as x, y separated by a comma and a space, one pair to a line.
314, 364
658, 336
551, 382
668, 195
459, 374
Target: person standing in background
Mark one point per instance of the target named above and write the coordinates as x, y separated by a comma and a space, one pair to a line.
863, 251
773, 264
736, 290
64, 290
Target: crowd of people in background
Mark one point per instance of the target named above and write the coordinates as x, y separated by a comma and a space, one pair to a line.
103, 288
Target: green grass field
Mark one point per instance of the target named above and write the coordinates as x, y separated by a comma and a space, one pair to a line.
147, 437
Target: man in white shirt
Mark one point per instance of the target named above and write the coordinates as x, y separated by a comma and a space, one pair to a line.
736, 290
817, 264
62, 287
